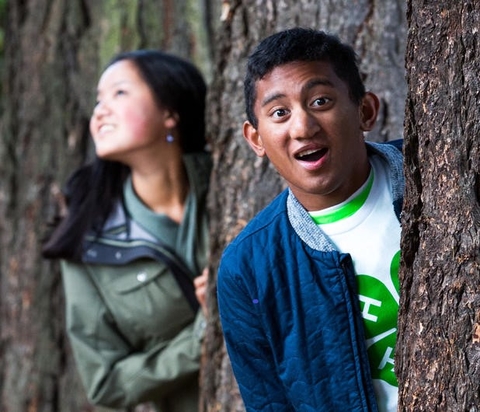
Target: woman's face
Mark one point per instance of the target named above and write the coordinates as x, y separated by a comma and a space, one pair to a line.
127, 122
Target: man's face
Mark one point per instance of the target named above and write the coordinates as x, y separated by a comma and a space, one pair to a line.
312, 132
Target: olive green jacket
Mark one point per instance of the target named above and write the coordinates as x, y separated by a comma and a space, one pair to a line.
134, 335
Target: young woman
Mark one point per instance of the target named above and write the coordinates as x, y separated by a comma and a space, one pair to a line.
135, 236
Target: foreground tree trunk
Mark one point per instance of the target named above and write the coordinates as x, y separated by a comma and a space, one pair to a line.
55, 50
439, 330
243, 184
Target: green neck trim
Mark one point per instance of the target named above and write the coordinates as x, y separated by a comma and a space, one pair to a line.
346, 210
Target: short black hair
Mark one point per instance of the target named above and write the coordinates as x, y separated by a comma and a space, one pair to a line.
301, 44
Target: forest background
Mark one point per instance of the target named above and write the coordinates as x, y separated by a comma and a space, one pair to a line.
420, 57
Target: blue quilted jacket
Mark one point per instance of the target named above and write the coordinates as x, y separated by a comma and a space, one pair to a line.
289, 311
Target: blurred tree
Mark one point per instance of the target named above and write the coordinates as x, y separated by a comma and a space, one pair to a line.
3, 4
54, 52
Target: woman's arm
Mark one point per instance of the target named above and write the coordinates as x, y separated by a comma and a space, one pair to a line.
113, 373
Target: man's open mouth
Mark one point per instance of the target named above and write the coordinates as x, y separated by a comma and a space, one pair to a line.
311, 155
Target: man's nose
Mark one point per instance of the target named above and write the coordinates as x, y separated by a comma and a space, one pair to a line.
304, 125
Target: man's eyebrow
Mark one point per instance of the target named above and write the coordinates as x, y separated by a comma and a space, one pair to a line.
318, 82
310, 85
271, 98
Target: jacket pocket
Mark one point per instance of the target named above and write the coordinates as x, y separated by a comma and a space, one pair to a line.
136, 276
146, 301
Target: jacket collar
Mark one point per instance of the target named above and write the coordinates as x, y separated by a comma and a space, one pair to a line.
306, 228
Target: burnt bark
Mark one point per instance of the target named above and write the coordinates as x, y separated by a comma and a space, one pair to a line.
438, 348
243, 184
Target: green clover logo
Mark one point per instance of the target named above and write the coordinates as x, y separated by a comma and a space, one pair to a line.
379, 309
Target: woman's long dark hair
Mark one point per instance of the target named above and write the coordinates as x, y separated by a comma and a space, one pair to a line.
92, 191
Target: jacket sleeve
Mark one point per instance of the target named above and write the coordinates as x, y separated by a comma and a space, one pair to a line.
113, 373
249, 350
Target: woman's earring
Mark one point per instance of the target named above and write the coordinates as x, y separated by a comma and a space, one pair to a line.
170, 138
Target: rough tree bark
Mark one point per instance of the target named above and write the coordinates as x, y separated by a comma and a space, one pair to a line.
243, 184
439, 330
54, 52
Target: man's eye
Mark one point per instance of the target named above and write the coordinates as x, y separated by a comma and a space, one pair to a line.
279, 113
321, 101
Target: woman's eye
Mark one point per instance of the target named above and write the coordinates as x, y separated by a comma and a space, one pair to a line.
119, 92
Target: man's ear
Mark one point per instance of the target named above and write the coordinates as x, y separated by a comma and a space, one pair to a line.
368, 111
253, 138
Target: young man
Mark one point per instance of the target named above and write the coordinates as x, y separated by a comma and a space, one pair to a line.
308, 292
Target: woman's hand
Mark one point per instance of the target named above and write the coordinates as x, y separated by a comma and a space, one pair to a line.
200, 283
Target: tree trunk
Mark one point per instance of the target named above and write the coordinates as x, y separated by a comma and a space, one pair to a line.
54, 52
438, 348
243, 184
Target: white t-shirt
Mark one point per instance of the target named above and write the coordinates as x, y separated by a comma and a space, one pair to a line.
366, 227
